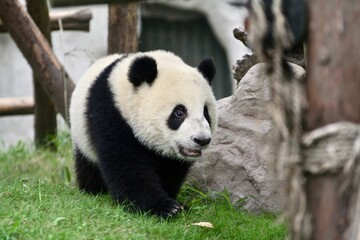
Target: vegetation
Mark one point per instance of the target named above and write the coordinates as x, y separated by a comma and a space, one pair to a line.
39, 200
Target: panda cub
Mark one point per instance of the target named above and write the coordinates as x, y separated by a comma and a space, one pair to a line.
138, 122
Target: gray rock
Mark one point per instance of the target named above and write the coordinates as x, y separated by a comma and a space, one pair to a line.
240, 158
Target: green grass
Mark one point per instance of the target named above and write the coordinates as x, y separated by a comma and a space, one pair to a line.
39, 200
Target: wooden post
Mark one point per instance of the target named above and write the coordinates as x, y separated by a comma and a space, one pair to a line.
38, 53
333, 91
44, 114
122, 36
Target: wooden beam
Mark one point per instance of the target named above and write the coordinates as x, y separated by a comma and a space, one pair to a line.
16, 106
44, 114
122, 34
67, 3
38, 54
78, 20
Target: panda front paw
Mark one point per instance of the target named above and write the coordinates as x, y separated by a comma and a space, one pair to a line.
167, 208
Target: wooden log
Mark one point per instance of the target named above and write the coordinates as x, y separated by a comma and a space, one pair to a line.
16, 106
78, 20
333, 89
122, 34
333, 86
38, 53
44, 114
67, 3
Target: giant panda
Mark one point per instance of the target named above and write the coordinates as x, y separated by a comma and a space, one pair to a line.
138, 122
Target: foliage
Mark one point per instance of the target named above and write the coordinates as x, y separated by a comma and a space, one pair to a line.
39, 200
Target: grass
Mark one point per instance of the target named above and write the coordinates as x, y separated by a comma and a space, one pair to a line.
39, 200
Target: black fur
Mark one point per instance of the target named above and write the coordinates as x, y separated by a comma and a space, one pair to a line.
207, 69
131, 171
294, 12
206, 115
142, 69
88, 174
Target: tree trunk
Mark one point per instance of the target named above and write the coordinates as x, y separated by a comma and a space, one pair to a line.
122, 36
44, 114
333, 91
38, 53
333, 86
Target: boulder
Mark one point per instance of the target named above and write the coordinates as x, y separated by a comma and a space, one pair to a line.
240, 157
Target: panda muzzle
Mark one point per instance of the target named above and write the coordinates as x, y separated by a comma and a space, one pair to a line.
188, 152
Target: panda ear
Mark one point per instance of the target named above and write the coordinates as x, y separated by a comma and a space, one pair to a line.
207, 69
142, 69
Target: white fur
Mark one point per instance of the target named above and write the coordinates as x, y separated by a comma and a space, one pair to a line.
148, 109
79, 131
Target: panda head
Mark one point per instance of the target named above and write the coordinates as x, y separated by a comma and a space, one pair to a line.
170, 106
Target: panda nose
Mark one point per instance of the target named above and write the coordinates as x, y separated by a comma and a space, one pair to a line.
202, 141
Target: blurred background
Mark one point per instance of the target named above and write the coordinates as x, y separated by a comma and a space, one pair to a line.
192, 29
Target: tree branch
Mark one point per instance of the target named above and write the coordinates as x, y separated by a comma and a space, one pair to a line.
38, 53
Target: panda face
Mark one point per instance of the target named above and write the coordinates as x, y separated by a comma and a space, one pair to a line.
174, 117
182, 122
169, 105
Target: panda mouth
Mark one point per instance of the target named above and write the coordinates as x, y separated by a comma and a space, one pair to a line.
188, 152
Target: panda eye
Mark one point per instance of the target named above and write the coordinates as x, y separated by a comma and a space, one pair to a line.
177, 117
206, 114
179, 113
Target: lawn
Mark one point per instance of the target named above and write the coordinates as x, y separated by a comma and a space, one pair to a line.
39, 200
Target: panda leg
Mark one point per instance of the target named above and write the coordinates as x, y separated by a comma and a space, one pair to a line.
88, 175
173, 173
140, 185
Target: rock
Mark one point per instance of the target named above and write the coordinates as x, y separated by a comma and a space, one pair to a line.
240, 156
242, 66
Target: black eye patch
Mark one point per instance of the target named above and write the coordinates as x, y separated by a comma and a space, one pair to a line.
206, 115
177, 117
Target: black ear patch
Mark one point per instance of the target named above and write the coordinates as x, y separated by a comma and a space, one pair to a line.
207, 69
142, 69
